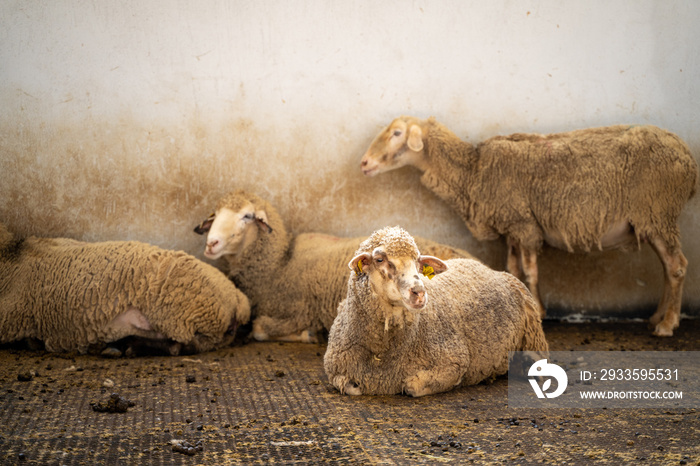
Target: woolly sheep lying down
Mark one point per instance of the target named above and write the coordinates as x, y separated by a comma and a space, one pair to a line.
601, 188
294, 282
398, 332
72, 295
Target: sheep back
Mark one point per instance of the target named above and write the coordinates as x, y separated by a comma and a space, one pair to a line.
532, 187
308, 289
311, 284
489, 314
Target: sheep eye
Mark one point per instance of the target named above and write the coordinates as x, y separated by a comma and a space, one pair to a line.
248, 217
397, 132
379, 259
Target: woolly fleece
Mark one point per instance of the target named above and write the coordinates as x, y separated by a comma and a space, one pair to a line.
72, 294
473, 318
601, 188
568, 186
295, 283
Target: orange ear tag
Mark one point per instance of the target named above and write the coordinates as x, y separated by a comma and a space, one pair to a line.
428, 271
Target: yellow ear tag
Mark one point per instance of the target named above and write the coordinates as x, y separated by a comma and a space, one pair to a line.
359, 266
428, 271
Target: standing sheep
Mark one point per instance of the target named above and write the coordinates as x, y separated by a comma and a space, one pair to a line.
294, 282
72, 294
605, 188
399, 333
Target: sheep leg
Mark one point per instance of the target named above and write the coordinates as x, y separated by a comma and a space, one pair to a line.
266, 328
668, 314
346, 386
434, 381
528, 258
131, 322
513, 261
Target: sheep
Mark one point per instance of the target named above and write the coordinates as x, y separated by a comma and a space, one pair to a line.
294, 282
399, 332
74, 295
602, 188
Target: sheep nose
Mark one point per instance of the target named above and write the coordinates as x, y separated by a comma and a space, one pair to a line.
212, 243
364, 163
418, 297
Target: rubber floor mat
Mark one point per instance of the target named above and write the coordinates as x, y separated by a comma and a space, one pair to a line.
271, 403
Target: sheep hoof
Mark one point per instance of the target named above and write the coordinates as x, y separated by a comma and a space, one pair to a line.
352, 389
346, 386
308, 336
174, 349
418, 384
258, 333
416, 392
663, 330
416, 388
111, 352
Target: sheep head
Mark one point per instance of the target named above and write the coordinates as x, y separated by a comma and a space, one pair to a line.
399, 144
394, 266
234, 226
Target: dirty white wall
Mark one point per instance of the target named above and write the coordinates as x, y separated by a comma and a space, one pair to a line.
129, 119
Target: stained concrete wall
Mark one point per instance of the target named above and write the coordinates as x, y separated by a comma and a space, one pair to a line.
128, 120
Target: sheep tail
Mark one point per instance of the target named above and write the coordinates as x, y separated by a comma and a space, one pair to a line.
533, 337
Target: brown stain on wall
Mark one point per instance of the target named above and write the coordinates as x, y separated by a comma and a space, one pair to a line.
121, 179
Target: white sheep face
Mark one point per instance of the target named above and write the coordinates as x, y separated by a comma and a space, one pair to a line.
399, 144
396, 280
232, 232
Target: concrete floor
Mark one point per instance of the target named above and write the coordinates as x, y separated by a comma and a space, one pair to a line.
270, 402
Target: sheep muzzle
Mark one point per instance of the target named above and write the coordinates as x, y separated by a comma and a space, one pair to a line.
413, 294
417, 298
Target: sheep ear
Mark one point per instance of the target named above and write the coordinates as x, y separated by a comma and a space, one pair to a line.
205, 226
431, 266
360, 263
261, 221
415, 138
